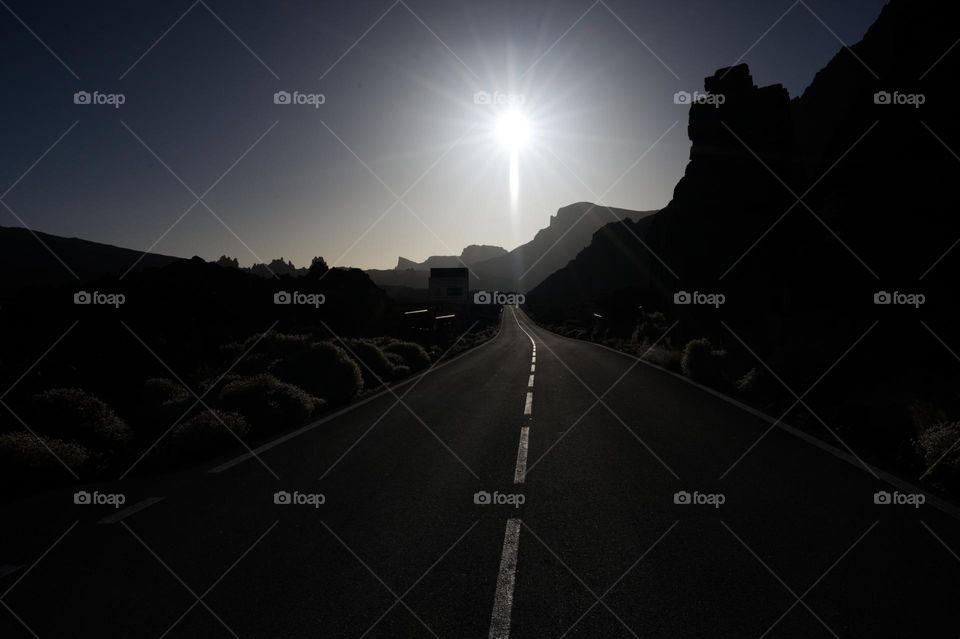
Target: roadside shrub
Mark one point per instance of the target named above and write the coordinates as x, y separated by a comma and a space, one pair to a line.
158, 391
372, 361
26, 461
323, 370
937, 445
414, 355
262, 351
206, 433
163, 402
702, 362
663, 357
75, 415
266, 403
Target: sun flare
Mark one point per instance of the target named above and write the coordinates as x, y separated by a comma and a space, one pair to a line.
513, 130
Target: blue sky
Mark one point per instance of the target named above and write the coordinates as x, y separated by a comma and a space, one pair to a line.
398, 117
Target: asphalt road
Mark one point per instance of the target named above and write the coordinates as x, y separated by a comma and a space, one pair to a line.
783, 541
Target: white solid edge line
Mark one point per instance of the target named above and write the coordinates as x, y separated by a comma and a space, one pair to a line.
346, 409
528, 406
520, 474
904, 485
130, 510
506, 579
530, 383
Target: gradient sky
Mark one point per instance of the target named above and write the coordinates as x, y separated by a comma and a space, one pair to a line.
401, 102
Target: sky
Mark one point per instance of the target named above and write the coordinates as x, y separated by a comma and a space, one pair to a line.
182, 148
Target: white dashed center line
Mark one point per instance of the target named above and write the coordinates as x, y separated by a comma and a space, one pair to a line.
507, 577
528, 407
521, 472
530, 383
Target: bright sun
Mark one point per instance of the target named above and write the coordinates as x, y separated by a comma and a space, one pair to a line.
513, 130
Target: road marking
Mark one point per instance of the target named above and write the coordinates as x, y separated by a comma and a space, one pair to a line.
520, 474
533, 367
351, 407
533, 360
905, 486
528, 407
120, 515
506, 579
530, 383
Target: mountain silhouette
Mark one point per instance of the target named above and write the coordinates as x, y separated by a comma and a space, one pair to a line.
876, 186
470, 255
521, 269
30, 258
